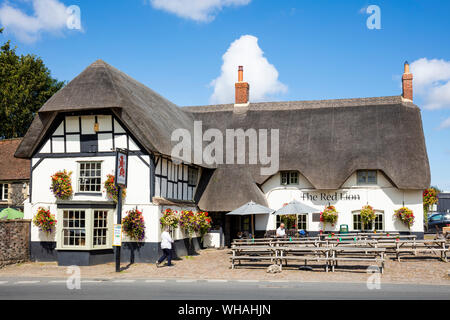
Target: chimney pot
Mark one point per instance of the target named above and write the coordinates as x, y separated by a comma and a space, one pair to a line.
407, 83
242, 88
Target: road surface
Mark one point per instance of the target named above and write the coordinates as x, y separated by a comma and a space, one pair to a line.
47, 288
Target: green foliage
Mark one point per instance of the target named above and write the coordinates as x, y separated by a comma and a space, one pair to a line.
25, 85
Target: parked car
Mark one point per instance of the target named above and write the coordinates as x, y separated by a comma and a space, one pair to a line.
437, 221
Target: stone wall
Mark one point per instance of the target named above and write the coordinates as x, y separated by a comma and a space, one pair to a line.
14, 241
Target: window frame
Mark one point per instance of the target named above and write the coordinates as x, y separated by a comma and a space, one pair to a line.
306, 222
378, 213
89, 229
288, 176
190, 182
366, 177
4, 195
95, 177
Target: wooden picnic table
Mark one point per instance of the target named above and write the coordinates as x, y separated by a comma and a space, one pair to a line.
436, 246
366, 254
251, 252
304, 253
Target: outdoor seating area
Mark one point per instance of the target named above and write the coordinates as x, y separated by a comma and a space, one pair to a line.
331, 249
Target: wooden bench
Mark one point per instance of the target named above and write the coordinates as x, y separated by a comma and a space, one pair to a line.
358, 254
437, 246
305, 254
252, 253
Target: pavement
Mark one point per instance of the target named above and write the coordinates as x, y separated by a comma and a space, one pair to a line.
215, 264
13, 288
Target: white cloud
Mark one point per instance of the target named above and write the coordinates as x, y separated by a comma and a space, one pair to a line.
445, 124
258, 72
49, 16
432, 82
198, 10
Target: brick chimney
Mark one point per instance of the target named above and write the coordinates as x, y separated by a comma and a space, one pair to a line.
407, 83
242, 88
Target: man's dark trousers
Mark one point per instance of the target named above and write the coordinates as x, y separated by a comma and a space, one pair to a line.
167, 253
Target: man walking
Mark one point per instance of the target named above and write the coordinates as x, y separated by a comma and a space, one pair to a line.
166, 246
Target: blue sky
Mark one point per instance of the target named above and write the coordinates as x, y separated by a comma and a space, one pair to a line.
319, 50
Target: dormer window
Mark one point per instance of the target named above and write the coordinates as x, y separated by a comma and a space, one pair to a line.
367, 177
289, 177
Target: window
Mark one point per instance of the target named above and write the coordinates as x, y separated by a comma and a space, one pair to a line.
84, 229
289, 177
436, 217
302, 221
3, 191
246, 223
367, 177
100, 227
192, 176
74, 228
357, 225
90, 177
376, 225
292, 221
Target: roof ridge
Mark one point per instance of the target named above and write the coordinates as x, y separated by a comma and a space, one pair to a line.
304, 104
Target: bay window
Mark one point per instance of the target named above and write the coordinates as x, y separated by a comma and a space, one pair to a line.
84, 229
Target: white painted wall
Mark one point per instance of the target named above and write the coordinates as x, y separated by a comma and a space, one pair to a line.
384, 197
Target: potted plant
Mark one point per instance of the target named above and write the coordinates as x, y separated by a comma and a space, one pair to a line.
188, 222
134, 225
204, 223
405, 215
329, 215
367, 216
169, 219
111, 189
62, 185
45, 221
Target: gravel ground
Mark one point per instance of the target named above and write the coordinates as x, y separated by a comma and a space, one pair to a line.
214, 264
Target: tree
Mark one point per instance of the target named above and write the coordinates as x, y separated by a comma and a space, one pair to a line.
25, 85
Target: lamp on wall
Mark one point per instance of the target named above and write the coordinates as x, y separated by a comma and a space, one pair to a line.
96, 127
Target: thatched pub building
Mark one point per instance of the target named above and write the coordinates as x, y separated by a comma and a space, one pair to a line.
347, 153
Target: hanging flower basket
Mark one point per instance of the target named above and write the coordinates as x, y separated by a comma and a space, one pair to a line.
111, 189
169, 219
329, 215
134, 225
188, 222
62, 185
367, 215
204, 223
405, 215
429, 198
44, 220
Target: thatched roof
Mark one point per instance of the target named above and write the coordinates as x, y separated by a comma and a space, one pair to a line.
150, 117
229, 188
327, 141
